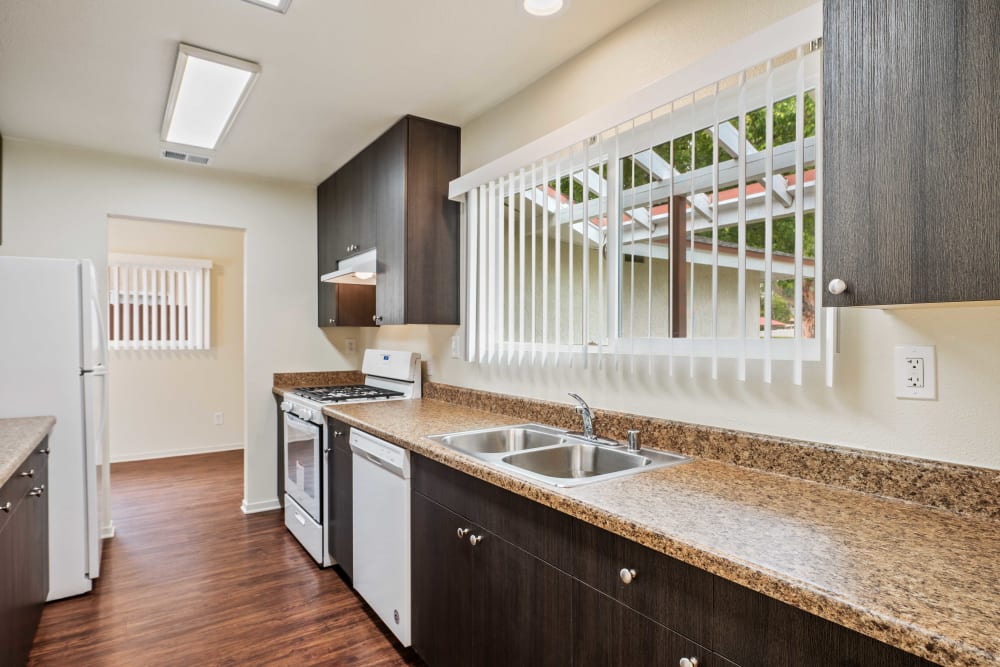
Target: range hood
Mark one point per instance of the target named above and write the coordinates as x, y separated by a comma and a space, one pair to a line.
357, 270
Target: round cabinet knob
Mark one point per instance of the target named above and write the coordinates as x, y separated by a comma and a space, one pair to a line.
338, 434
837, 286
627, 575
333, 321
37, 491
475, 539
688, 662
462, 532
46, 451
7, 506
28, 473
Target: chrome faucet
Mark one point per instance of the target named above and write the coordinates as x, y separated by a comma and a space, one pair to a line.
587, 415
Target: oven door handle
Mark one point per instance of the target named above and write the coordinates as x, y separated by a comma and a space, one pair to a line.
298, 422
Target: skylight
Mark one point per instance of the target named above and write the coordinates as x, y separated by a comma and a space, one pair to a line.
207, 91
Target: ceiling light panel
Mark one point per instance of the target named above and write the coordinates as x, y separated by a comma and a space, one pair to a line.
207, 91
276, 5
543, 7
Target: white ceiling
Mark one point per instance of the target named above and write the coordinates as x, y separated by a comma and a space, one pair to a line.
335, 73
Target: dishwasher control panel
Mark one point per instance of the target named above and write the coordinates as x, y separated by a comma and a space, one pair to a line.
380, 452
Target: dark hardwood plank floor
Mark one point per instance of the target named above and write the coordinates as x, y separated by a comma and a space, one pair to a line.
190, 580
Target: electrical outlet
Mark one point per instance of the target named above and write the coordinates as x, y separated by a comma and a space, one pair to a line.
454, 347
219, 418
915, 372
351, 344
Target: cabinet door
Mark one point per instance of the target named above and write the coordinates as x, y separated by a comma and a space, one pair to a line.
752, 629
36, 517
607, 633
432, 225
341, 497
446, 598
527, 607
910, 143
327, 243
389, 153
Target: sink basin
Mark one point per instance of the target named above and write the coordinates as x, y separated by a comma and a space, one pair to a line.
502, 440
553, 455
575, 461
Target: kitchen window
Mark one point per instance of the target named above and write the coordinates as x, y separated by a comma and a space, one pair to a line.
159, 303
689, 231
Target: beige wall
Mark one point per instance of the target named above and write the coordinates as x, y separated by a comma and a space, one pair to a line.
56, 203
860, 411
186, 386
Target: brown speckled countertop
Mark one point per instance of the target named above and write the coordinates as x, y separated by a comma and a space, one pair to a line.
18, 438
922, 579
287, 381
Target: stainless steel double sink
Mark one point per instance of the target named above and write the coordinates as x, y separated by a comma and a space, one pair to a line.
555, 456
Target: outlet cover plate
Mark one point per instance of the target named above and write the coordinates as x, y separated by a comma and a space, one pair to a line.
915, 365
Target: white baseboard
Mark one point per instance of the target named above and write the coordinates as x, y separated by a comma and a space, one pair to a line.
108, 530
260, 506
166, 454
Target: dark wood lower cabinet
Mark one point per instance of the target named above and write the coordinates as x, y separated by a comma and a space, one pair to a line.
499, 603
24, 558
608, 633
487, 603
340, 501
752, 629
447, 599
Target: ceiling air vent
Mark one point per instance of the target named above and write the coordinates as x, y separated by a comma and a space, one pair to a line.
184, 157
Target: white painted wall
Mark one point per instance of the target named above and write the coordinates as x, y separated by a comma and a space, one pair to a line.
56, 202
186, 386
860, 411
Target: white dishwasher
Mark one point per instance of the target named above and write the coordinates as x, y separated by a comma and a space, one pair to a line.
382, 530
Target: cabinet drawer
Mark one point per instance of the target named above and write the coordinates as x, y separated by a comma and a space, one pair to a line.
753, 629
27, 476
672, 593
607, 632
541, 531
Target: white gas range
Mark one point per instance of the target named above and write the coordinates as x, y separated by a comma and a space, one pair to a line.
389, 375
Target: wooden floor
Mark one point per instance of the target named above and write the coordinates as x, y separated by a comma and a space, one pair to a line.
191, 580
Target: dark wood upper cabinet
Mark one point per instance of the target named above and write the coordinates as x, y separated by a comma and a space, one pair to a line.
911, 133
393, 196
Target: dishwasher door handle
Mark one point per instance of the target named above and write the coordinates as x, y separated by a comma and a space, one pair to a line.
381, 463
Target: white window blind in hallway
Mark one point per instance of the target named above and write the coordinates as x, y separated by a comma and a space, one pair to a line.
158, 303
689, 231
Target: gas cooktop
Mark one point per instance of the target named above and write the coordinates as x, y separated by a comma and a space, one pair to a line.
340, 394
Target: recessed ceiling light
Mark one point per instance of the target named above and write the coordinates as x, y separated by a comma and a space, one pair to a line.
543, 7
276, 5
207, 91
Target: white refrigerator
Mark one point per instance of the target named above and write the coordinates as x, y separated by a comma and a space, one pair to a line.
53, 361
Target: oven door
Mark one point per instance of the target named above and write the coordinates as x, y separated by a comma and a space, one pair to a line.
303, 463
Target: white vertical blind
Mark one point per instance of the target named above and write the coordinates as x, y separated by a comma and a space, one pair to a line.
572, 255
158, 303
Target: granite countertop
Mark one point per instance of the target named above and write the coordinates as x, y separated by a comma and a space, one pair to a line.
18, 438
919, 578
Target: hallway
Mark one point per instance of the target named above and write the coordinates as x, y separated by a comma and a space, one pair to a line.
190, 580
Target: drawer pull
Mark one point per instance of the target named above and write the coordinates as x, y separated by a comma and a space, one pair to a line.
28, 473
627, 575
462, 532
45, 451
298, 517
37, 491
7, 506
475, 539
338, 434
688, 662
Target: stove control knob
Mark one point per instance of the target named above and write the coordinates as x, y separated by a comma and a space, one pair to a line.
307, 414
286, 406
